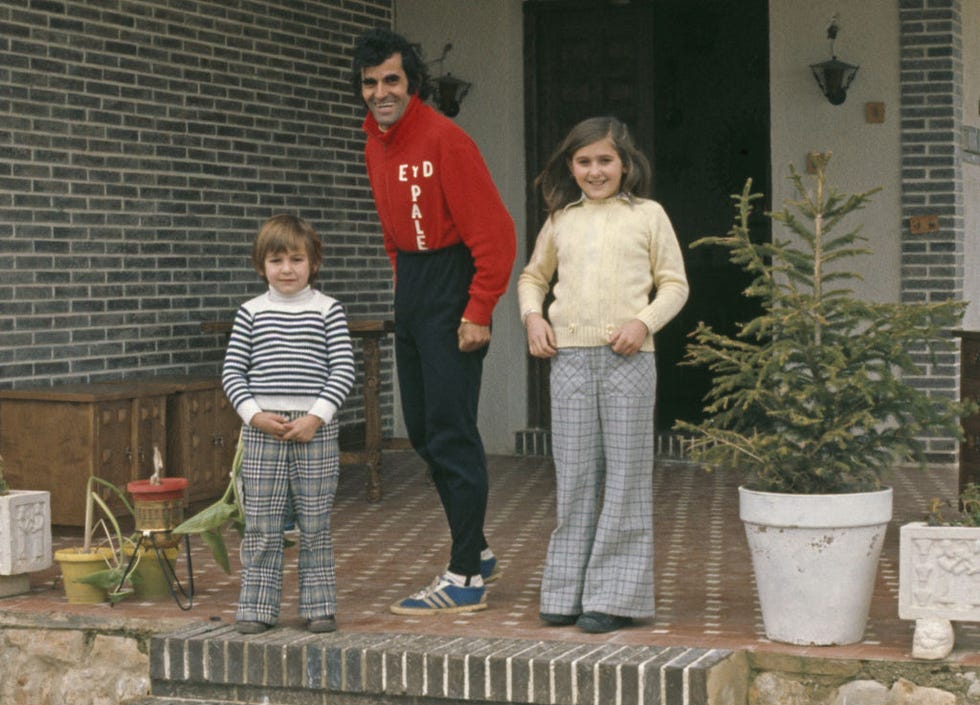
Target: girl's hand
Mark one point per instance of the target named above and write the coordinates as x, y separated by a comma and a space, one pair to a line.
540, 336
629, 337
302, 429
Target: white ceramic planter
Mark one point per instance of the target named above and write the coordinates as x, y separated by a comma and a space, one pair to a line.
938, 583
25, 538
815, 559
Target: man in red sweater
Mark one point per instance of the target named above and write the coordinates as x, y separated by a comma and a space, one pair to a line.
452, 246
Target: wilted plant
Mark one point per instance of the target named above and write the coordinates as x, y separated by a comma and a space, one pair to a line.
111, 578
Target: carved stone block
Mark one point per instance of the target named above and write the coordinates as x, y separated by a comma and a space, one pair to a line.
939, 572
25, 531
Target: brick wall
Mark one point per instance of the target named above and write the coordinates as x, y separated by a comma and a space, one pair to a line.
142, 143
932, 177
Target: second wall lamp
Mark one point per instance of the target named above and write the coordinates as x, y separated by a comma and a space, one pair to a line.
448, 91
834, 75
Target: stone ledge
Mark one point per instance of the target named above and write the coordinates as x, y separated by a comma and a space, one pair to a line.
101, 619
292, 666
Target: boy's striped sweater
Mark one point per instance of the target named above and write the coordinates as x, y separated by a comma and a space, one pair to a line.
289, 353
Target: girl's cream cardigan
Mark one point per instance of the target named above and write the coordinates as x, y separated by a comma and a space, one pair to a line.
610, 256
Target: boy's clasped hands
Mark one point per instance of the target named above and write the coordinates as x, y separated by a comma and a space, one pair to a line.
302, 429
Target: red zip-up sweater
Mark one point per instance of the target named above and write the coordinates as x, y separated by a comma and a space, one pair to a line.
432, 190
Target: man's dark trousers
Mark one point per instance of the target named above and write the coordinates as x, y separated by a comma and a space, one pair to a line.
440, 390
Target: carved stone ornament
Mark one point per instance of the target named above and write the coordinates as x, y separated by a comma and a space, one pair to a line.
939, 583
25, 538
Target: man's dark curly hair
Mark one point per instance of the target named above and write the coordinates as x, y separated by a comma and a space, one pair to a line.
376, 46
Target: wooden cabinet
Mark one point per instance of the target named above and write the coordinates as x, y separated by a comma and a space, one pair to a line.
970, 389
202, 434
55, 438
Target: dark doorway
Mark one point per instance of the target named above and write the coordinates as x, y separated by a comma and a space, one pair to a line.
690, 78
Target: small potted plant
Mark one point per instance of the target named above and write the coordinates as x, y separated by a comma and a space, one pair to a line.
939, 572
93, 572
111, 565
25, 528
158, 506
808, 401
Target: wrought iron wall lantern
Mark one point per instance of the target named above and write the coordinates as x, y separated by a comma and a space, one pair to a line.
834, 75
448, 91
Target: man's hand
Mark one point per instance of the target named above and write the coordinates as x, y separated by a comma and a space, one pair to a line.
472, 336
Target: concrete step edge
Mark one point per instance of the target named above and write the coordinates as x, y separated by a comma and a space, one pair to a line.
209, 660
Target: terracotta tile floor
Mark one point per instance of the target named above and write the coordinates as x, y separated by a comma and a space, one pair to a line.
704, 584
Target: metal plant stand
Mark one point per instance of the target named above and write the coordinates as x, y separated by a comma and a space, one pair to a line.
158, 508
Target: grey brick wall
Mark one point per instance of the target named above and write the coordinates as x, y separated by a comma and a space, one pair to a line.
142, 143
932, 178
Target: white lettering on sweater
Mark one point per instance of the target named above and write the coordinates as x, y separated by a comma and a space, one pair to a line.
407, 172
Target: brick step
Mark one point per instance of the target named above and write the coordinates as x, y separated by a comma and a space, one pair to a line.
215, 664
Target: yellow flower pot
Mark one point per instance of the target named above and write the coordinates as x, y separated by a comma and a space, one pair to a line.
150, 579
76, 564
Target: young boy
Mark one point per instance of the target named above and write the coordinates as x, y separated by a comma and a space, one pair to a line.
288, 369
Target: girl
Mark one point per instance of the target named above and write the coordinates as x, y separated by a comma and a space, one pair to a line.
611, 248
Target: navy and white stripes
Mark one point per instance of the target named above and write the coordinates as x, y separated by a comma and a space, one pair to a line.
289, 353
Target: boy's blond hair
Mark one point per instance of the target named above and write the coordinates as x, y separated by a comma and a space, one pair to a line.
285, 233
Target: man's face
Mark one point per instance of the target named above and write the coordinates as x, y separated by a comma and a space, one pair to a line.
385, 90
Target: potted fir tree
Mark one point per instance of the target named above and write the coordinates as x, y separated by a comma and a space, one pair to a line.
25, 530
808, 401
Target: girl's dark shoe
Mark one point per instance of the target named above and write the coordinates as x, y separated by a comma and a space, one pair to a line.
558, 620
600, 622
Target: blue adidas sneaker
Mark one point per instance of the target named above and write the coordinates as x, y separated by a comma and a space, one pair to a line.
489, 569
443, 596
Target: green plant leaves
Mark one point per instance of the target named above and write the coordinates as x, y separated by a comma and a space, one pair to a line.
109, 581
810, 397
217, 545
211, 521
105, 579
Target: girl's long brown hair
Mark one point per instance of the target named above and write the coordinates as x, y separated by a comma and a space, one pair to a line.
558, 186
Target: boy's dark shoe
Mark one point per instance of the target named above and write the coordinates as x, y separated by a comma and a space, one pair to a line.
322, 625
248, 627
600, 622
558, 620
